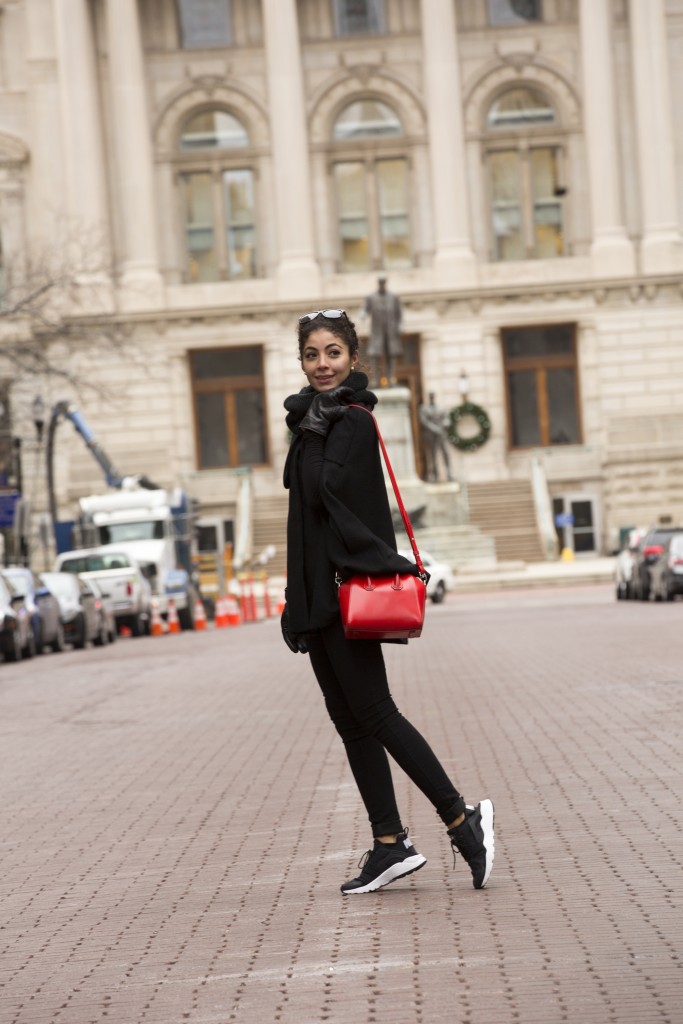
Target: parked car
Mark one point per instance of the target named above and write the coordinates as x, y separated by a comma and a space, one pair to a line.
441, 578
16, 632
106, 610
43, 607
649, 550
79, 606
666, 574
625, 565
121, 580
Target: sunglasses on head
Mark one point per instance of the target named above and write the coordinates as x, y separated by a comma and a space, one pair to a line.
332, 314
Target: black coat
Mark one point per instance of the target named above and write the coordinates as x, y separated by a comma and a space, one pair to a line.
355, 533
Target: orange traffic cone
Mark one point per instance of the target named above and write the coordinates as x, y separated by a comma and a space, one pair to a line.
199, 616
219, 614
173, 621
232, 612
157, 625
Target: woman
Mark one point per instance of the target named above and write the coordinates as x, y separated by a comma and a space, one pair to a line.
340, 521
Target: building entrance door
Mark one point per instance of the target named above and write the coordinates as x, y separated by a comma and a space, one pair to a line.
576, 522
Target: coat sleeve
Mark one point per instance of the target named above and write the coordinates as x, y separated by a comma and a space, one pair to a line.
360, 535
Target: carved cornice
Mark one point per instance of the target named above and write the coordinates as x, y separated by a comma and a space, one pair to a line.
559, 299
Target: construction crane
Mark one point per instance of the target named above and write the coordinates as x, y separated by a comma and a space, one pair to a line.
65, 410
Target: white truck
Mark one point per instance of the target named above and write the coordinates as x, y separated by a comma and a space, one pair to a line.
154, 528
121, 580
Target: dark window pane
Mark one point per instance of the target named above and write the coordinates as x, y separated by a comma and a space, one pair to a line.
582, 512
234, 362
207, 538
513, 12
203, 23
539, 341
584, 533
564, 424
359, 17
584, 541
251, 444
524, 408
213, 437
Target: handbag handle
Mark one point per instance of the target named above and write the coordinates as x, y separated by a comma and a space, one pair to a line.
401, 507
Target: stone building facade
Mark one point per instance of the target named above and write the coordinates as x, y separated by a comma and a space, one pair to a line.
514, 167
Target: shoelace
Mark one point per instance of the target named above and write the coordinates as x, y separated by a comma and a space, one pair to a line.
366, 856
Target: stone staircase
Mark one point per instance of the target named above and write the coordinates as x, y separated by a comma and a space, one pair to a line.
458, 546
504, 510
502, 528
269, 526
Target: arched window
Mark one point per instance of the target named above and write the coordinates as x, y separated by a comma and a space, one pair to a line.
370, 172
524, 160
217, 190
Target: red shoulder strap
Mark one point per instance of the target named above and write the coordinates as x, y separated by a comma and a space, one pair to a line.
401, 506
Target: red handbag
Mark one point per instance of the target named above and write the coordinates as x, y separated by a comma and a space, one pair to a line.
385, 607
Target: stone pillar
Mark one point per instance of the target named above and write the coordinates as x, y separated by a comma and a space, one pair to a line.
298, 274
141, 280
454, 262
85, 202
661, 249
611, 251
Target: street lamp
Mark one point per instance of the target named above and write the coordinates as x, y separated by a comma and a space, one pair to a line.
38, 410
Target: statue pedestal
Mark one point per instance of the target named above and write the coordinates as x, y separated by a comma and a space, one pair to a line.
393, 416
442, 502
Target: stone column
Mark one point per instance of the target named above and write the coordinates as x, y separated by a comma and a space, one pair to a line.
661, 249
611, 251
83, 151
454, 262
298, 273
141, 280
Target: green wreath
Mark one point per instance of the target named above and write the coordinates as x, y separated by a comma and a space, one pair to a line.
469, 444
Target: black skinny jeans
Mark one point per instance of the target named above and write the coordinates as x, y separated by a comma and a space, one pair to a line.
353, 680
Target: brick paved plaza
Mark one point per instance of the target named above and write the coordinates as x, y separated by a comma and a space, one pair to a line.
178, 816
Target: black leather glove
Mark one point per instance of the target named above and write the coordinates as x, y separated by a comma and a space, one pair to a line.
325, 409
296, 644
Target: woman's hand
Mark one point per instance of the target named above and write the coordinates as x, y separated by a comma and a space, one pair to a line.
325, 409
296, 644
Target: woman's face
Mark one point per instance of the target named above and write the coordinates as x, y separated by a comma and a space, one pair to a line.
326, 360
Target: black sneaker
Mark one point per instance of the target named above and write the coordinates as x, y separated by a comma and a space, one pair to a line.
384, 863
473, 839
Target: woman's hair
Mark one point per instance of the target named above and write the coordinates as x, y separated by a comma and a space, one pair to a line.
340, 326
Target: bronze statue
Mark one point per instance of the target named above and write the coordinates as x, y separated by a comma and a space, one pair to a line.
434, 422
384, 344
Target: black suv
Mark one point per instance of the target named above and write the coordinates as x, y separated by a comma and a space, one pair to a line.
649, 550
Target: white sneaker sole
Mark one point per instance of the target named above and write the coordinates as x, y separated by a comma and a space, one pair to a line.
489, 839
405, 867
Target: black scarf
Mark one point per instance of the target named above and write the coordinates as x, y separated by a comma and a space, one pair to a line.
297, 405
